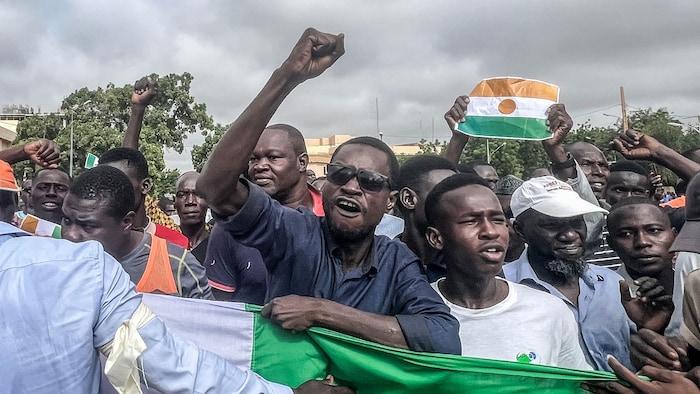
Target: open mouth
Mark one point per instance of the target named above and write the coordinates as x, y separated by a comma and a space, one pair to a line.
493, 253
569, 250
597, 186
50, 205
348, 207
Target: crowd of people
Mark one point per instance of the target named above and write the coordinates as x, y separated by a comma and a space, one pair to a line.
584, 265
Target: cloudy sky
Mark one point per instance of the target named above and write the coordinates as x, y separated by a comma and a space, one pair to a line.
413, 56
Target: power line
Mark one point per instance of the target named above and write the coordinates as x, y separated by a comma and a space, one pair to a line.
597, 110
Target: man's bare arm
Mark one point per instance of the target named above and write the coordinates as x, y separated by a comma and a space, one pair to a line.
218, 184
145, 90
43, 152
560, 124
637, 146
299, 313
459, 140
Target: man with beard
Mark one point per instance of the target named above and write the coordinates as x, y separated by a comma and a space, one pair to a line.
94, 307
498, 319
329, 272
549, 217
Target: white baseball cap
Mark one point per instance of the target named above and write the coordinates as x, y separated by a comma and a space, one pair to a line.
552, 197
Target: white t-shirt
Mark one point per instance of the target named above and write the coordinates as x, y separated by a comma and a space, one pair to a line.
686, 262
528, 326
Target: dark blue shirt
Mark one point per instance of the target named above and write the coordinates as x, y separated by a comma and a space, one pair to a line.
302, 258
235, 268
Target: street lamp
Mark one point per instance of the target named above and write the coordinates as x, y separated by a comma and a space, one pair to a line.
72, 112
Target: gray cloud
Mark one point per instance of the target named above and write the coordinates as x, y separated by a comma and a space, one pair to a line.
413, 56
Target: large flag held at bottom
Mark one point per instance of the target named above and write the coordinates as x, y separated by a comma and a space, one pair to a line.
239, 334
509, 107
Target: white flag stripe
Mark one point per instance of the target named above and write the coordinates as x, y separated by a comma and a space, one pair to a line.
524, 107
235, 344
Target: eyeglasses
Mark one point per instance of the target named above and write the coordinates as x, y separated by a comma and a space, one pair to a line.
368, 180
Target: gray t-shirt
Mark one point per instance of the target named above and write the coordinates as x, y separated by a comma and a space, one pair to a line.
190, 276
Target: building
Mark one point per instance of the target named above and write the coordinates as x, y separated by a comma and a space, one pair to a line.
320, 150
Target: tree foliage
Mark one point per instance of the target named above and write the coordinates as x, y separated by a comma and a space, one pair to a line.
100, 117
200, 153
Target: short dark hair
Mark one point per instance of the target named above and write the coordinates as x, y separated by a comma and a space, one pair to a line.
133, 158
432, 202
466, 169
163, 203
379, 145
107, 184
629, 166
411, 171
295, 136
414, 169
59, 169
632, 201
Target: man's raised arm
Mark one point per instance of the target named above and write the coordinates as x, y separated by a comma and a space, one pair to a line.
459, 140
145, 90
637, 146
218, 182
42, 152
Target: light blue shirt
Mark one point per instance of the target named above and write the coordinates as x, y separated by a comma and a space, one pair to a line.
61, 301
604, 327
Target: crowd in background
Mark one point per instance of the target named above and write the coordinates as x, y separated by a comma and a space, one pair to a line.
585, 265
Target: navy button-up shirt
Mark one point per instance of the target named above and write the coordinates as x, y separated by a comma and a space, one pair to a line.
302, 258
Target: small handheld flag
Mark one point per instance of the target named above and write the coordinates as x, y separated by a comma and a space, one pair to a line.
509, 107
91, 161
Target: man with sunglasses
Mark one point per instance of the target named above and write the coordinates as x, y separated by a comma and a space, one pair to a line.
330, 272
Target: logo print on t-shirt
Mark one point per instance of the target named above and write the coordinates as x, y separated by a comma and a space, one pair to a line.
527, 358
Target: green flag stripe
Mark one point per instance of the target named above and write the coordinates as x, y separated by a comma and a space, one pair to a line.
505, 127
285, 357
372, 368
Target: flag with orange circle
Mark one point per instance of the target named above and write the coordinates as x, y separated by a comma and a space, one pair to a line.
509, 107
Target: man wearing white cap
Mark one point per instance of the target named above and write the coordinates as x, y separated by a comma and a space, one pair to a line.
549, 216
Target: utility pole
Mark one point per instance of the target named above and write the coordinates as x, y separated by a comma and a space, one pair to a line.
376, 104
625, 125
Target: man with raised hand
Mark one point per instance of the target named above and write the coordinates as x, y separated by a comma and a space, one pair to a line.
330, 272
278, 166
96, 308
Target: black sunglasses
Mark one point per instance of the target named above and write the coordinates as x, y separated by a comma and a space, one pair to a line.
368, 180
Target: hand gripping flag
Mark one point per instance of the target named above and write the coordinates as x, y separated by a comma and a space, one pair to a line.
509, 107
238, 333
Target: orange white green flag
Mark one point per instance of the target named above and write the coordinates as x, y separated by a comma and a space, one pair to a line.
509, 107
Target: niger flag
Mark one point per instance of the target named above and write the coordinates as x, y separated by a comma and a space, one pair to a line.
509, 107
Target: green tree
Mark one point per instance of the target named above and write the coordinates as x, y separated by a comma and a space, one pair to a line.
200, 153
100, 117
